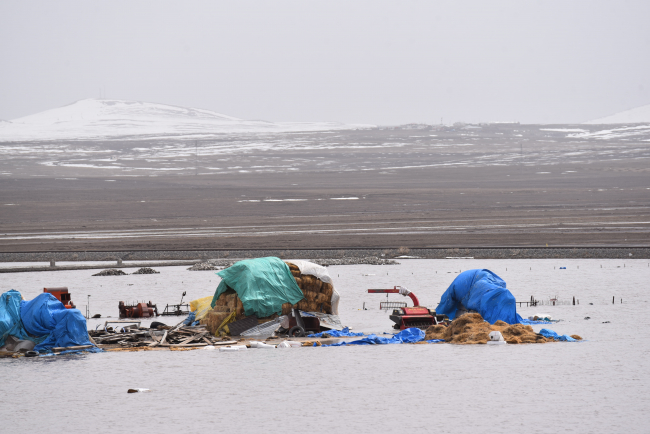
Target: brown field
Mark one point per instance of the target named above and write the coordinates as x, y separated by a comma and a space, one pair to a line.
431, 187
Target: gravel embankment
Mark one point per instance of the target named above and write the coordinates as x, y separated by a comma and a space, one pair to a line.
224, 258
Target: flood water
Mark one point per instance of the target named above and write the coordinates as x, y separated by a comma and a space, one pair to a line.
598, 385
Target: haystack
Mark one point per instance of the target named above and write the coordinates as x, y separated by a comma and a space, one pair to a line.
472, 329
318, 294
318, 298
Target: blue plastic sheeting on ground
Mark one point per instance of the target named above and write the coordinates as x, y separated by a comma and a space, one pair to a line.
47, 317
433, 341
85, 350
406, 336
481, 291
190, 318
10, 324
551, 334
533, 322
336, 334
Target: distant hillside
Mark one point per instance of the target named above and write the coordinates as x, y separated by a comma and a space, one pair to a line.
635, 116
114, 119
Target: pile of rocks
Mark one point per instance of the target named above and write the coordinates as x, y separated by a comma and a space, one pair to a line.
111, 272
212, 264
146, 270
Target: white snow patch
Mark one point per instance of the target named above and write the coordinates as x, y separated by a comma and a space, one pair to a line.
633, 116
106, 119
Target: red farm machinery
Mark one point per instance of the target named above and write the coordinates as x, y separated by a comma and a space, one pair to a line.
405, 317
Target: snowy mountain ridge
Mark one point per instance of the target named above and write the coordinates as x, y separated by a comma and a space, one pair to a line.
133, 120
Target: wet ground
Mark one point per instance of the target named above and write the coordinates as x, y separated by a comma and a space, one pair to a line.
417, 186
594, 386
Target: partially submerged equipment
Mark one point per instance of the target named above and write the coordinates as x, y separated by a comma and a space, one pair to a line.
407, 317
63, 295
137, 310
479, 291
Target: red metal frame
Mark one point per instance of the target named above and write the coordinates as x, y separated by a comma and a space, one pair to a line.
395, 290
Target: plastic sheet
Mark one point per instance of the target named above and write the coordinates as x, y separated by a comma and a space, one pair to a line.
262, 284
10, 323
406, 336
551, 334
326, 320
46, 317
265, 330
482, 291
321, 273
335, 333
190, 318
201, 307
525, 321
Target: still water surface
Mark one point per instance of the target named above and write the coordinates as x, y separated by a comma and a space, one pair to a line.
594, 386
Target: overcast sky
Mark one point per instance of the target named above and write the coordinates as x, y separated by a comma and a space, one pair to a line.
381, 62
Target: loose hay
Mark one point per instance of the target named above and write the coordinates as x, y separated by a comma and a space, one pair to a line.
472, 329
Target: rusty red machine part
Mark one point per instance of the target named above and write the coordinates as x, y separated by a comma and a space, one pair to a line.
61, 294
407, 317
137, 310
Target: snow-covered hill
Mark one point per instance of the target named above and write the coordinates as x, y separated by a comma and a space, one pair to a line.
113, 119
635, 116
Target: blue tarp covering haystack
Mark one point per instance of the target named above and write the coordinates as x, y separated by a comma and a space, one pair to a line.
43, 320
482, 291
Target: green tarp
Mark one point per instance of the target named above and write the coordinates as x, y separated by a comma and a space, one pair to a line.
262, 284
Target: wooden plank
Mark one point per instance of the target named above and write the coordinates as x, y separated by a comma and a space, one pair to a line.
183, 345
191, 338
77, 347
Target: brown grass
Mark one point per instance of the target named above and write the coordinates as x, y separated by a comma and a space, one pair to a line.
472, 329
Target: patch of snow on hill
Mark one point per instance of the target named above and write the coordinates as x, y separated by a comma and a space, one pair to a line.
116, 119
635, 116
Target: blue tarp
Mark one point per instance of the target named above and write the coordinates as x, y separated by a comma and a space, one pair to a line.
482, 291
525, 321
336, 334
551, 334
406, 336
10, 324
47, 319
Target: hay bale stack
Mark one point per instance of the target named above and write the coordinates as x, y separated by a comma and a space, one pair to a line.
213, 320
472, 329
318, 294
224, 306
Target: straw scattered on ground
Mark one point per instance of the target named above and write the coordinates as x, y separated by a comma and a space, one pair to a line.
471, 328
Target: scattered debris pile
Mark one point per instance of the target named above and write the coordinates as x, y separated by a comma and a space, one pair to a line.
146, 270
472, 329
179, 336
111, 272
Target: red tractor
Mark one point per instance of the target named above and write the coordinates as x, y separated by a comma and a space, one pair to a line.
406, 317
